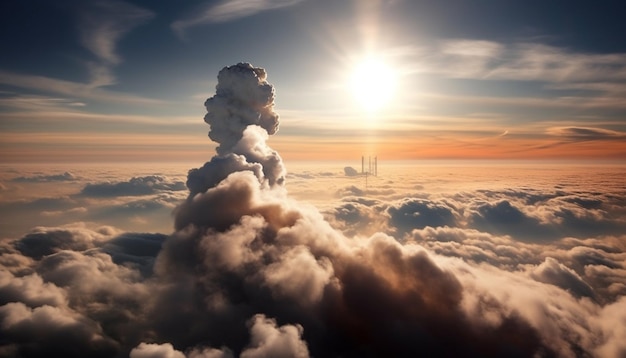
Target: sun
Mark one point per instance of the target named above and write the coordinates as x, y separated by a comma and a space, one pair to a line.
372, 84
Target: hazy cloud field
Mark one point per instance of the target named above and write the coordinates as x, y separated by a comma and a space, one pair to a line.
244, 256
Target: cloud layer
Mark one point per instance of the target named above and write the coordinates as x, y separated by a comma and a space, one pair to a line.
249, 271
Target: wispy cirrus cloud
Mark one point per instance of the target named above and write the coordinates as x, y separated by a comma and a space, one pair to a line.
69, 88
522, 61
228, 10
103, 23
36, 102
562, 77
586, 133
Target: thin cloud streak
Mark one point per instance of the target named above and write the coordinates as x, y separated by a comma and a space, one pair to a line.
557, 69
60, 116
586, 133
70, 88
227, 11
598, 102
104, 23
480, 59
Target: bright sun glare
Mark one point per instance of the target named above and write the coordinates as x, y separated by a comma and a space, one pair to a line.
372, 84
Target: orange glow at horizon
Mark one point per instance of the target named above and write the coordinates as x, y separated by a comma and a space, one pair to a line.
138, 148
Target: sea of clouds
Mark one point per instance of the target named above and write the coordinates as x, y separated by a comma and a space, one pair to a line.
242, 258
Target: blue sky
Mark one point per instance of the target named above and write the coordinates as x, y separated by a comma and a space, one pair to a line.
486, 79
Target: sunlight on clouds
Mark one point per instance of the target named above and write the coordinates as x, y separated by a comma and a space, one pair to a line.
438, 247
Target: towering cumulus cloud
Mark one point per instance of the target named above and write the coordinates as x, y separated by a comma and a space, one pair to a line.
250, 272
241, 116
243, 248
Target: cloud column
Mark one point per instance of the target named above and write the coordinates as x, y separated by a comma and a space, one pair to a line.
241, 116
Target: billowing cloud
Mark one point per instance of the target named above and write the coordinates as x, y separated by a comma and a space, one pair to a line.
241, 117
553, 272
270, 341
418, 213
249, 271
59, 332
267, 340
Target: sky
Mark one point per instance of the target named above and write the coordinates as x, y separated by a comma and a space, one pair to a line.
110, 81
156, 200
241, 257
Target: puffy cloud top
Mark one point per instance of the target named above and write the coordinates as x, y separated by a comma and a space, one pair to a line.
243, 97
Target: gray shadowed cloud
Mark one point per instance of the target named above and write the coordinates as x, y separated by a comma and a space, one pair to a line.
143, 202
59, 332
553, 217
43, 242
353, 190
136, 186
350, 172
410, 214
134, 211
41, 204
135, 249
41, 178
504, 218
585, 268
358, 216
